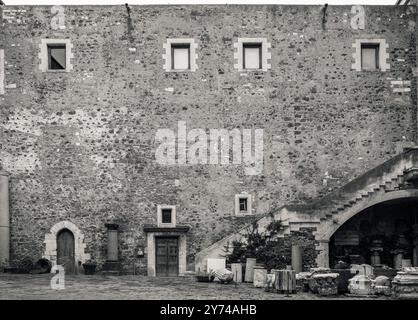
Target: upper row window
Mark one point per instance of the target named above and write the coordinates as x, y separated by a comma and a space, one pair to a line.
370, 56
180, 56
55, 55
250, 54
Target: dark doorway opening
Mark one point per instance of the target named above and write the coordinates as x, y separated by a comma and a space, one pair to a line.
384, 235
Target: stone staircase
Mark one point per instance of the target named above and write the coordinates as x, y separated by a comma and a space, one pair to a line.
393, 179
395, 183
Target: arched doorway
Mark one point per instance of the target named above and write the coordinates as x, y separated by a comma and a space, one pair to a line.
383, 235
66, 250
51, 244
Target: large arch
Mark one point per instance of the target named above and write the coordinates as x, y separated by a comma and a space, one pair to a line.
50, 242
327, 228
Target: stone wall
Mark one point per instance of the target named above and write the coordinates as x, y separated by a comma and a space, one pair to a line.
80, 145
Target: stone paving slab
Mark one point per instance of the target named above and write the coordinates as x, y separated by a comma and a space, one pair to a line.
97, 287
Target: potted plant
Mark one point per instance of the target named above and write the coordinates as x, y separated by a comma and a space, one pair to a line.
89, 267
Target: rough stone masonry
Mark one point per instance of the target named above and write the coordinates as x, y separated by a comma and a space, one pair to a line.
79, 146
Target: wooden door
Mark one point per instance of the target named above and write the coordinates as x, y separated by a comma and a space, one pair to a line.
65, 251
167, 256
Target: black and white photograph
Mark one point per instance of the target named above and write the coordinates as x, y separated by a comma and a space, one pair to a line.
208, 151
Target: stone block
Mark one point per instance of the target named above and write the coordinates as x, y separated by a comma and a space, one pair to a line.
260, 277
360, 285
405, 284
324, 284
215, 264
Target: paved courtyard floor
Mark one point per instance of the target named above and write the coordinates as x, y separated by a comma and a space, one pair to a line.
96, 287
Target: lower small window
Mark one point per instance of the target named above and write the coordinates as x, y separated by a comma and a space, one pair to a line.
166, 215
243, 204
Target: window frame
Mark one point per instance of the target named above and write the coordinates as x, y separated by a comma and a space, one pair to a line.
265, 55
383, 59
44, 55
238, 211
160, 222
168, 55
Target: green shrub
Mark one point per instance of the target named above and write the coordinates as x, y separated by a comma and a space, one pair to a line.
266, 247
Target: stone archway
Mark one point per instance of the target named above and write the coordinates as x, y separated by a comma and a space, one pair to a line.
50, 242
327, 228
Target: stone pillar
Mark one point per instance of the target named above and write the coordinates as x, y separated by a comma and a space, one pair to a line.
397, 258
376, 249
4, 218
375, 258
112, 241
322, 258
297, 258
151, 259
249, 269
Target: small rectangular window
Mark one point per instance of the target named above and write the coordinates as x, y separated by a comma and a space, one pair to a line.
369, 56
57, 59
243, 204
252, 55
166, 216
180, 56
